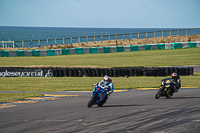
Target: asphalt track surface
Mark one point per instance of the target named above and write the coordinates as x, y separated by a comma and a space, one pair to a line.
135, 111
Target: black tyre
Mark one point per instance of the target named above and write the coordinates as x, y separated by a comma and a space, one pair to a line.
158, 93
168, 95
91, 101
102, 102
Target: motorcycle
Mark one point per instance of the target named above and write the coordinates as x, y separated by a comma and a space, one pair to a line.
166, 88
98, 96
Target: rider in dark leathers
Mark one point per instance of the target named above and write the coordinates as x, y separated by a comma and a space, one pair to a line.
177, 81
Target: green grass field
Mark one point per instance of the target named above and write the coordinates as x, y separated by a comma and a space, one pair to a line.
189, 56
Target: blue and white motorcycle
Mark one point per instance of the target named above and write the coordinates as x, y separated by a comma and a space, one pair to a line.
98, 96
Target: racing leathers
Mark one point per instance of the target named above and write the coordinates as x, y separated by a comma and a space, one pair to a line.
177, 83
109, 86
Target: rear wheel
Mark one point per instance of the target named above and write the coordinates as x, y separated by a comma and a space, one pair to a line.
168, 95
102, 102
158, 94
91, 101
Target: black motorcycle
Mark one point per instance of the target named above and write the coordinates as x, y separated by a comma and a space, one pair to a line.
166, 89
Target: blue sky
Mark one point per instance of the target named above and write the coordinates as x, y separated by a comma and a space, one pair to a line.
101, 13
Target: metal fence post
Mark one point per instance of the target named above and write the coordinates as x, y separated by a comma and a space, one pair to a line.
162, 33
31, 43
138, 35
170, 33
186, 32
195, 31
146, 35
94, 39
78, 40
154, 34
3, 44
123, 37
178, 32
101, 38
109, 38
22, 44
55, 41
47, 42
38, 43
131, 36
86, 39
63, 41
71, 40
13, 45
116, 38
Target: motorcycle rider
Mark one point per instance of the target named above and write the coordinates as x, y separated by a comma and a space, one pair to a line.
107, 84
177, 81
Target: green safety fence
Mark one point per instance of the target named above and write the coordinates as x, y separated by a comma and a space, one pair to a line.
120, 49
134, 48
106, 49
65, 51
35, 52
161, 46
20, 52
79, 50
147, 47
93, 50
4, 54
50, 52
176, 45
192, 44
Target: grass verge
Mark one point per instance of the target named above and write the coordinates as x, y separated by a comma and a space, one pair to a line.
15, 96
171, 57
53, 84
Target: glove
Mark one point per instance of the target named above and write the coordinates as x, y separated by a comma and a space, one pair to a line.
108, 93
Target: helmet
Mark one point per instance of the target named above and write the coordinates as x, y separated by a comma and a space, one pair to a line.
106, 79
174, 75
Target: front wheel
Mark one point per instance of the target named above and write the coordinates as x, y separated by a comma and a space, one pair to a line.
91, 101
158, 94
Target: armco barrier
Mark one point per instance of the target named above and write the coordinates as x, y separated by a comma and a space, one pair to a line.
93, 72
65, 51
20, 52
134, 48
94, 50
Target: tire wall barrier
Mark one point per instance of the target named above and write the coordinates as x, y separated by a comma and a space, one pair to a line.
94, 72
95, 50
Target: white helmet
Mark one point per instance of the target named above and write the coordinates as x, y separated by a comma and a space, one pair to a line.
106, 79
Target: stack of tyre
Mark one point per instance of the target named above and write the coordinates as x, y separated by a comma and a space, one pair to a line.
121, 71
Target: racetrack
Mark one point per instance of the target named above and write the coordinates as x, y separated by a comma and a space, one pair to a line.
134, 111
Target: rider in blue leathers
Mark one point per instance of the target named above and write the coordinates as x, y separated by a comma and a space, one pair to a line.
107, 84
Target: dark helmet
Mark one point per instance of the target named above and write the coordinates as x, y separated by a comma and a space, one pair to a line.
174, 75
106, 79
